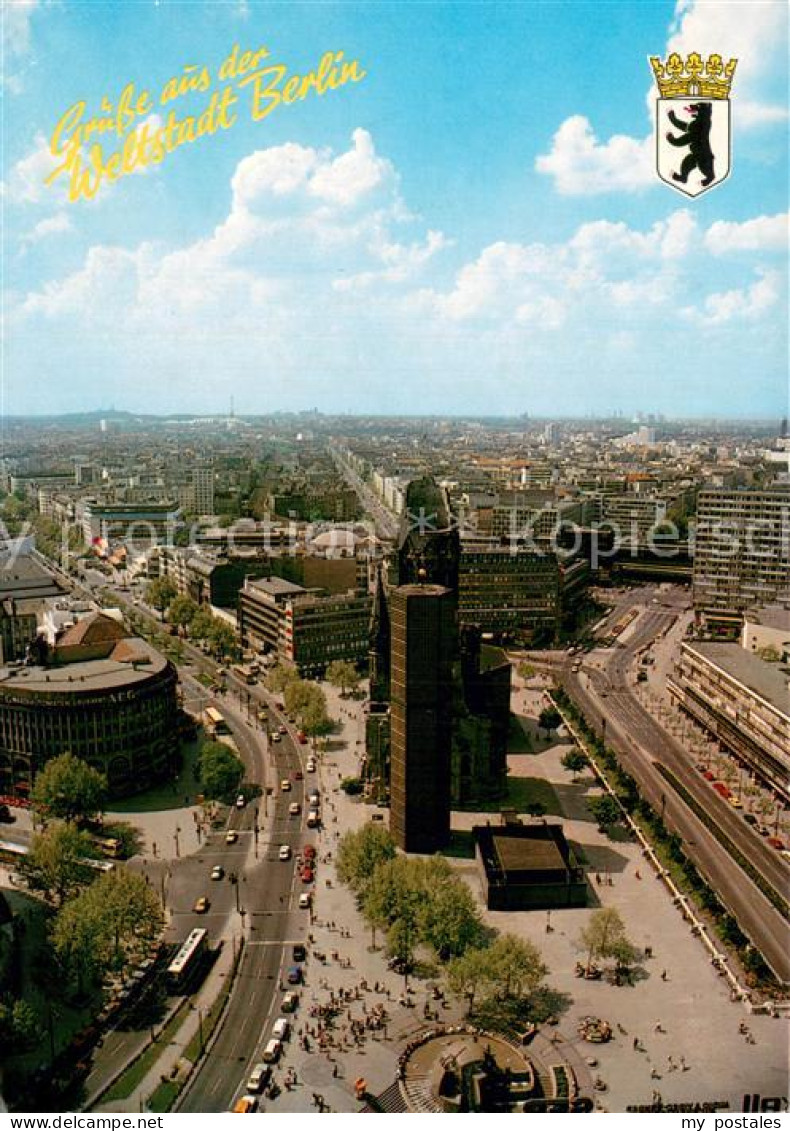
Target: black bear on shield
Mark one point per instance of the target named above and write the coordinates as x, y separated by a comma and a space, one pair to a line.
696, 135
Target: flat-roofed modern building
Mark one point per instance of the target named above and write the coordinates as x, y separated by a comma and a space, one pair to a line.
101, 695
526, 867
508, 592
306, 627
743, 701
424, 645
741, 553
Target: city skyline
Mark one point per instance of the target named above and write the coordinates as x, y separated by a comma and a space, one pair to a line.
376, 250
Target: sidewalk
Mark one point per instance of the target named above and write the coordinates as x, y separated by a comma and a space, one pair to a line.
340, 933
169, 1062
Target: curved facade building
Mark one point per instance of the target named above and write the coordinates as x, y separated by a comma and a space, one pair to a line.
106, 698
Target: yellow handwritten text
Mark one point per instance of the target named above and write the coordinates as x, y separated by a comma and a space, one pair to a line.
191, 80
144, 146
270, 88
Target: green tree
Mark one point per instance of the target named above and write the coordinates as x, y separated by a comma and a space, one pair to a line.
19, 1027
604, 936
549, 719
222, 639
201, 624
160, 592
361, 852
220, 770
69, 788
516, 966
535, 809
181, 611
280, 676
343, 675
110, 925
402, 939
575, 761
316, 722
56, 864
449, 920
468, 975
606, 810
525, 670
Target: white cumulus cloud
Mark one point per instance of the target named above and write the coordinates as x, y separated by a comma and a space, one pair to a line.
763, 233
582, 165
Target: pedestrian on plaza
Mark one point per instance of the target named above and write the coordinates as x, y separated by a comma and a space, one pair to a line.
664, 976
636, 1043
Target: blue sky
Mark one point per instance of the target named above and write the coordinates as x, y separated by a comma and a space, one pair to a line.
474, 227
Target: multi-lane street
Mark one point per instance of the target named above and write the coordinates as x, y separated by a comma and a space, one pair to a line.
604, 690
269, 894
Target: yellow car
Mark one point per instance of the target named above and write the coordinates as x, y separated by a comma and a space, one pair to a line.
201, 905
246, 1105
735, 802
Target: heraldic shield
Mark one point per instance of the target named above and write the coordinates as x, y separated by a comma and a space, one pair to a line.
693, 142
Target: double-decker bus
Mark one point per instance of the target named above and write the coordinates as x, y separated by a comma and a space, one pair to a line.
187, 960
214, 721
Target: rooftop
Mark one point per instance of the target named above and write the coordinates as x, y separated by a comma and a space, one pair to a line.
768, 681
117, 671
275, 586
23, 577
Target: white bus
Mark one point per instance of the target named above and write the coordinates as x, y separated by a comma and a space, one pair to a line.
191, 951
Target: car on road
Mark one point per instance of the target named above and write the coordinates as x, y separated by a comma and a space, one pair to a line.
259, 1078
314, 796
247, 1105
750, 818
285, 786
285, 852
231, 836
734, 801
294, 975
776, 842
201, 905
310, 767
305, 901
297, 775
217, 872
290, 1001
283, 729
299, 952
301, 737
273, 1051
309, 852
275, 737
294, 809
313, 819
281, 1028
307, 874
709, 775
241, 801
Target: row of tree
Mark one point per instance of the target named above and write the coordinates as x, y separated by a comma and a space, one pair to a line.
192, 619
102, 921
422, 903
303, 699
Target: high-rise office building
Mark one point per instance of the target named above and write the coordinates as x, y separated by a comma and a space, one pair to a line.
741, 553
424, 645
203, 486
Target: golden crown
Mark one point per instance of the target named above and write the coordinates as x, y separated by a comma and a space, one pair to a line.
677, 79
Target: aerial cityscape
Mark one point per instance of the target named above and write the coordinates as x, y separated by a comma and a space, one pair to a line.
394, 764
394, 561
